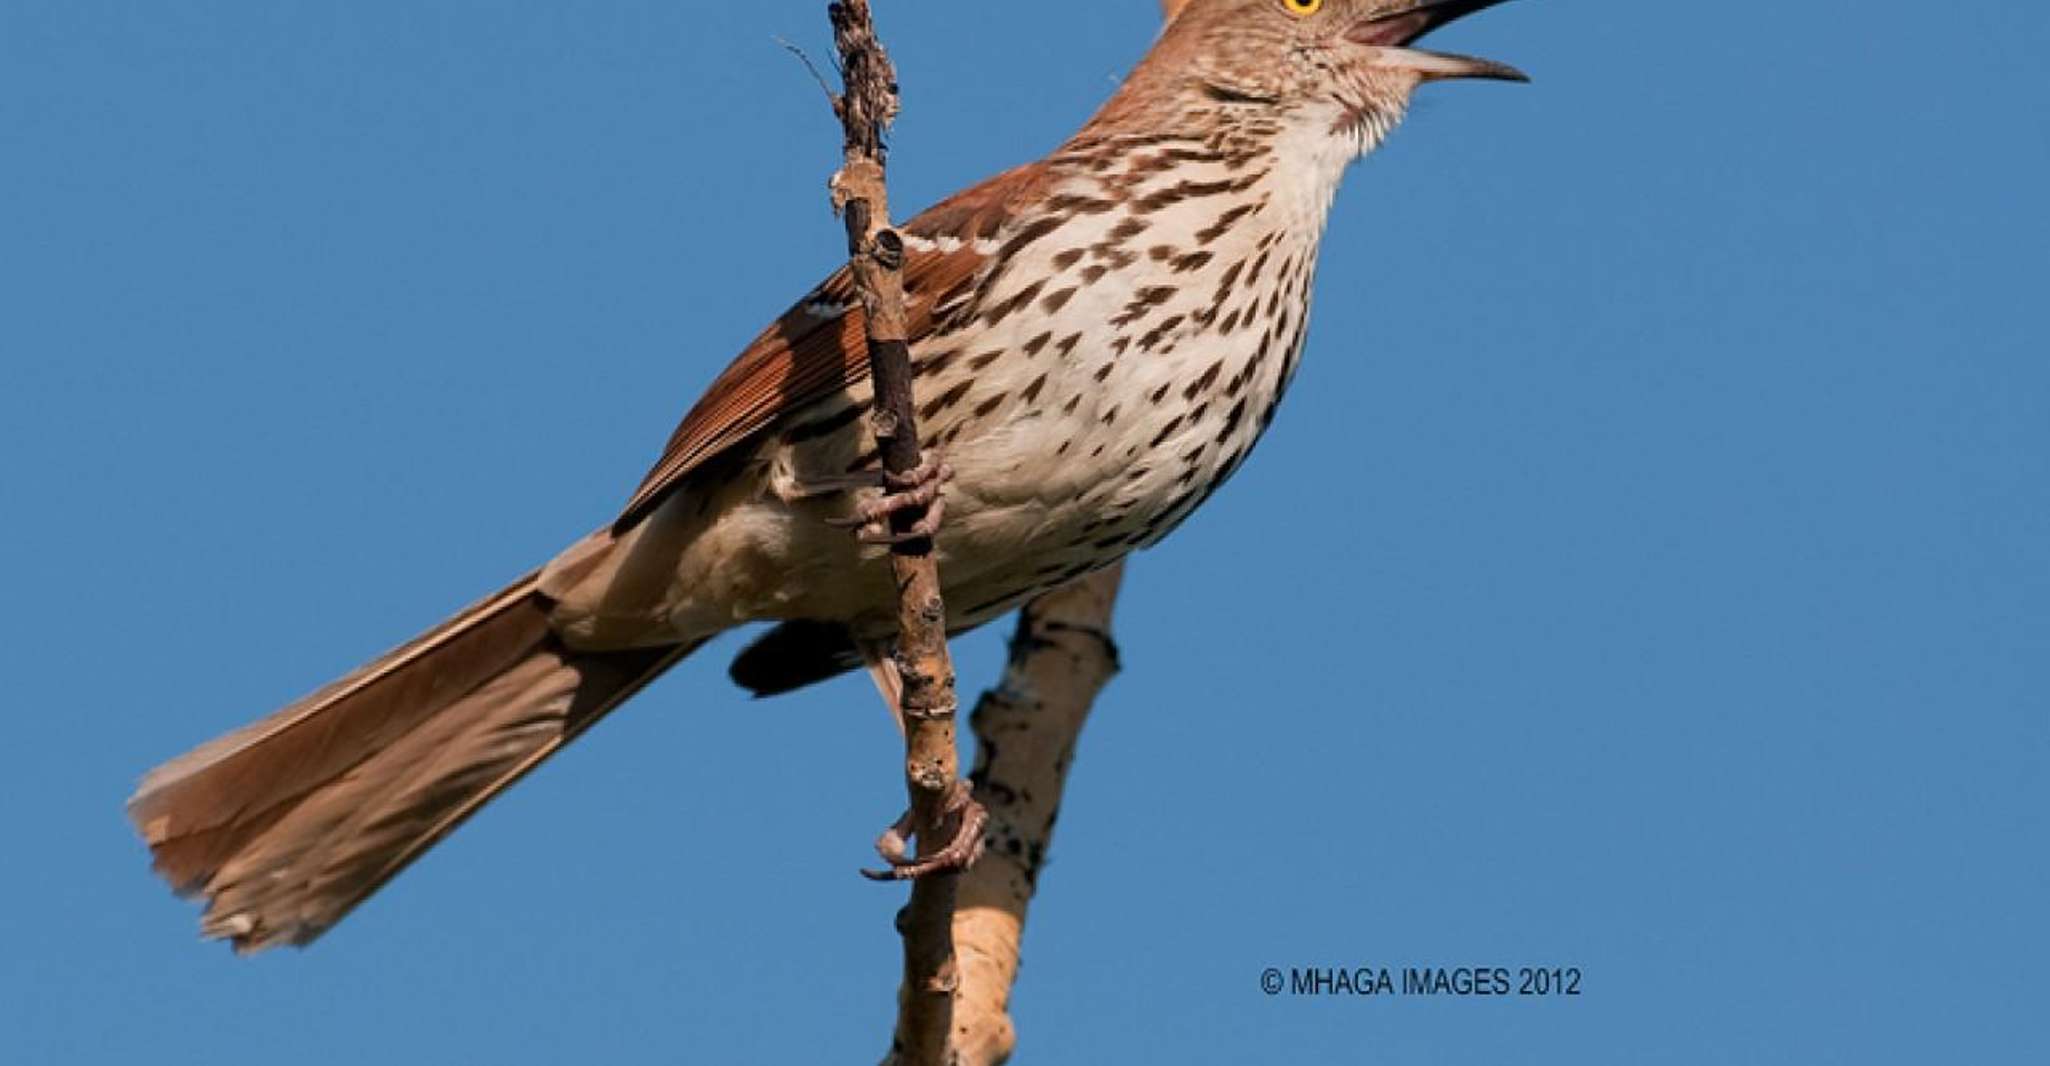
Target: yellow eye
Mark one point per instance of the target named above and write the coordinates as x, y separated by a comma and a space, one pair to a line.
1303, 8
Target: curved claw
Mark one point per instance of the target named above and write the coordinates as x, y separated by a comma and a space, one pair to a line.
895, 843
918, 489
928, 526
959, 854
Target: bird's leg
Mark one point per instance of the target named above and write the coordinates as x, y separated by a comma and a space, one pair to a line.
970, 819
882, 669
895, 843
915, 489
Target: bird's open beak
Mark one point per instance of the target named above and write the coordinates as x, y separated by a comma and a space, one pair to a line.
1393, 31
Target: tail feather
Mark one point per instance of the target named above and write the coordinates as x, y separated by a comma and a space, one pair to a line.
288, 824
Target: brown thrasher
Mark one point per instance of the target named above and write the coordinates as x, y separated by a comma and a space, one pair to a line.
1099, 338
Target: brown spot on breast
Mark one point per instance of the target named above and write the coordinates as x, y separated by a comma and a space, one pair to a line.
1144, 300
1128, 229
1153, 337
1058, 300
1081, 205
1231, 278
944, 400
1005, 309
936, 363
1178, 192
1259, 264
1224, 223
1033, 231
1114, 257
1231, 421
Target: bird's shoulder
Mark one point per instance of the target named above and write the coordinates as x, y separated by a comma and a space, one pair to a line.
818, 347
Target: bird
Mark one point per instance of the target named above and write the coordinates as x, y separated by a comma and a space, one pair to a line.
1098, 340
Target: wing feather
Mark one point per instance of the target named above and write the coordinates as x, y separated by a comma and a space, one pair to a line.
818, 348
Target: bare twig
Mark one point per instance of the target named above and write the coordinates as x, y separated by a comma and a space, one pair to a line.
928, 704
812, 68
1025, 733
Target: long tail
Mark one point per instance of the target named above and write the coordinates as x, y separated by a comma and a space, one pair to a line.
287, 824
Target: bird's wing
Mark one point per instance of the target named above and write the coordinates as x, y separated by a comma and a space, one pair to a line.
819, 348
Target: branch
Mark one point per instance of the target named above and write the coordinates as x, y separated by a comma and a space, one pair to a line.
927, 702
1026, 730
1025, 733
1027, 727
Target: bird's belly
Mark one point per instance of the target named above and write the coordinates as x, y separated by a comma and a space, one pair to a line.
1049, 495
1074, 439
1041, 495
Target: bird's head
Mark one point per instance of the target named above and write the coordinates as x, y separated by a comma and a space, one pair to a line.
1348, 63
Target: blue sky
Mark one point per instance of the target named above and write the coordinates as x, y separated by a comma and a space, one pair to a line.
1649, 573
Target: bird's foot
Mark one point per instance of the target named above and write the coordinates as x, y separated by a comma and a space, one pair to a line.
969, 819
918, 489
